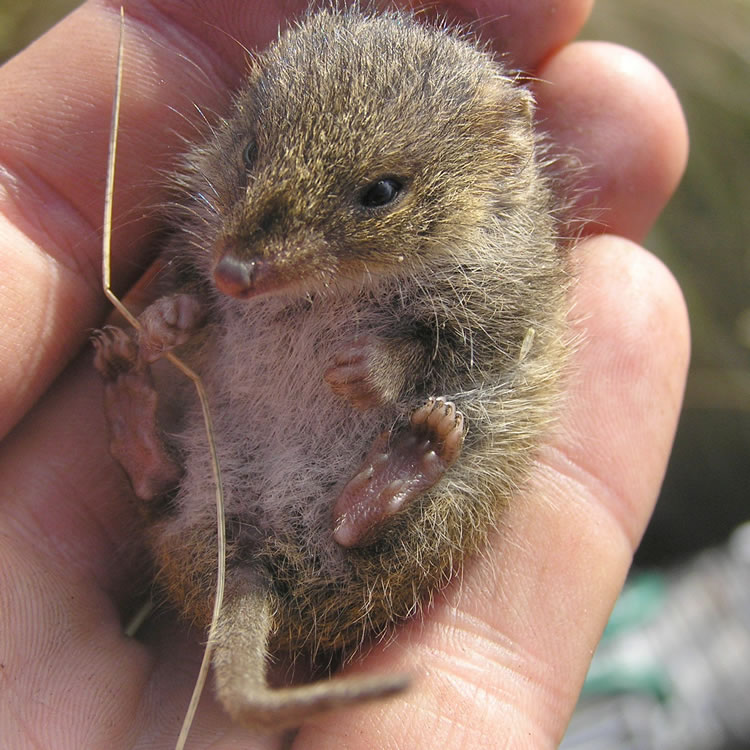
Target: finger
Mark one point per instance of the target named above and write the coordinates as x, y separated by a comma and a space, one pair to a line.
53, 156
615, 110
53, 142
70, 678
523, 32
63, 495
502, 656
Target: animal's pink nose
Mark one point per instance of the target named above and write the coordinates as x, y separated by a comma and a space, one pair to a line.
241, 278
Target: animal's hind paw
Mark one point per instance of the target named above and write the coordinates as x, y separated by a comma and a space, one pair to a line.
396, 472
130, 407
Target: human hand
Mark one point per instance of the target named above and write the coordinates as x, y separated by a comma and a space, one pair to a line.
502, 654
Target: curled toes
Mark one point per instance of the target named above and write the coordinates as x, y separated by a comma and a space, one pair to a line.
351, 376
168, 323
115, 352
442, 426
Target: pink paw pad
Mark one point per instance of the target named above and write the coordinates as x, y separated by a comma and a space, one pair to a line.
397, 472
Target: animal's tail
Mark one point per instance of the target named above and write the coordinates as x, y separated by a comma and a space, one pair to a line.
240, 653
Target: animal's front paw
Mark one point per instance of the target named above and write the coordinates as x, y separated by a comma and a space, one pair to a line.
167, 323
353, 374
396, 472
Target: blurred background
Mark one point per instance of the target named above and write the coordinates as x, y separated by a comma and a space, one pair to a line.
653, 675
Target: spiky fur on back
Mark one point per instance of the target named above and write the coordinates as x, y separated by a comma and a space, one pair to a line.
469, 269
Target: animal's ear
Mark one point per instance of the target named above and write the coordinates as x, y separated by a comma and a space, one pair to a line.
508, 99
525, 104
252, 68
253, 74
507, 110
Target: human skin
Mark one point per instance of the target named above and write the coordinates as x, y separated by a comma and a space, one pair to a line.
500, 657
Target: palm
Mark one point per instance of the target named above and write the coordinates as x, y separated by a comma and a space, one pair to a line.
503, 652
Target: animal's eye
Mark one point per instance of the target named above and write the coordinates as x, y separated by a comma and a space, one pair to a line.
381, 192
248, 154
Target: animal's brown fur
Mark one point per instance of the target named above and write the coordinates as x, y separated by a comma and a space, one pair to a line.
460, 286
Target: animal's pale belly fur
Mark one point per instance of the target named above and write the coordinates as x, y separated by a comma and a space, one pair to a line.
287, 443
